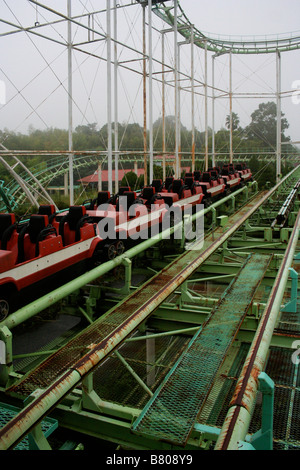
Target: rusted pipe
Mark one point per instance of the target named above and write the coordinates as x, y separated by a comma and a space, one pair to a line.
238, 418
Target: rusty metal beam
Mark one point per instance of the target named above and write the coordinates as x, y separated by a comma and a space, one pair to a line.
238, 418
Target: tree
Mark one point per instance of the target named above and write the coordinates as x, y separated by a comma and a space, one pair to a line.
263, 125
129, 179
235, 121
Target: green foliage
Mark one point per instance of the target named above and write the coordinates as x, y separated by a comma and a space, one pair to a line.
129, 179
263, 124
259, 136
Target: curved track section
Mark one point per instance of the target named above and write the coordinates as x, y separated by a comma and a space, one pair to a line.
12, 195
222, 45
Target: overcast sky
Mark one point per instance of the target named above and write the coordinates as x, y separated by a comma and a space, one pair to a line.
34, 70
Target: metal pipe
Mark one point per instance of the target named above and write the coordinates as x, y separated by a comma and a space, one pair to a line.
109, 114
116, 129
163, 104
278, 129
213, 113
70, 104
206, 110
177, 123
160, 335
145, 96
133, 373
238, 418
230, 109
150, 92
193, 97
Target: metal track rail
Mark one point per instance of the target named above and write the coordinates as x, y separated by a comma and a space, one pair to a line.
172, 411
286, 208
240, 411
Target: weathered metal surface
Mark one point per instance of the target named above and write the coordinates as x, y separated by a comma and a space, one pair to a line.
241, 407
83, 349
60, 373
171, 413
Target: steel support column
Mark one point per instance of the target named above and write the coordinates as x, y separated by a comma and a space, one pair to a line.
109, 100
116, 127
150, 91
278, 130
70, 105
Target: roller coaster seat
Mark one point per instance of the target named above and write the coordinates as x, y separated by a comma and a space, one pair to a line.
122, 190
179, 188
157, 185
37, 230
76, 226
206, 178
190, 183
168, 183
8, 231
147, 193
197, 175
103, 197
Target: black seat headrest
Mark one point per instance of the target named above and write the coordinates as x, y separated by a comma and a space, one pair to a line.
122, 190
177, 185
131, 197
197, 175
37, 223
6, 220
74, 215
157, 184
169, 181
148, 193
206, 177
103, 197
189, 181
46, 209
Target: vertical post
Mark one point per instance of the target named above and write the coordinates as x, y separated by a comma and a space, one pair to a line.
145, 96
109, 118
150, 91
230, 106
206, 110
213, 112
150, 359
179, 111
278, 131
193, 97
163, 105
177, 124
66, 184
70, 105
116, 128
99, 176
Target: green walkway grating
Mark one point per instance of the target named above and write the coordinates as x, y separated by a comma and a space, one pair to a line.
172, 411
8, 412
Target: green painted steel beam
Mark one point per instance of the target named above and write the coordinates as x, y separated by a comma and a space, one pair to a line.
219, 45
